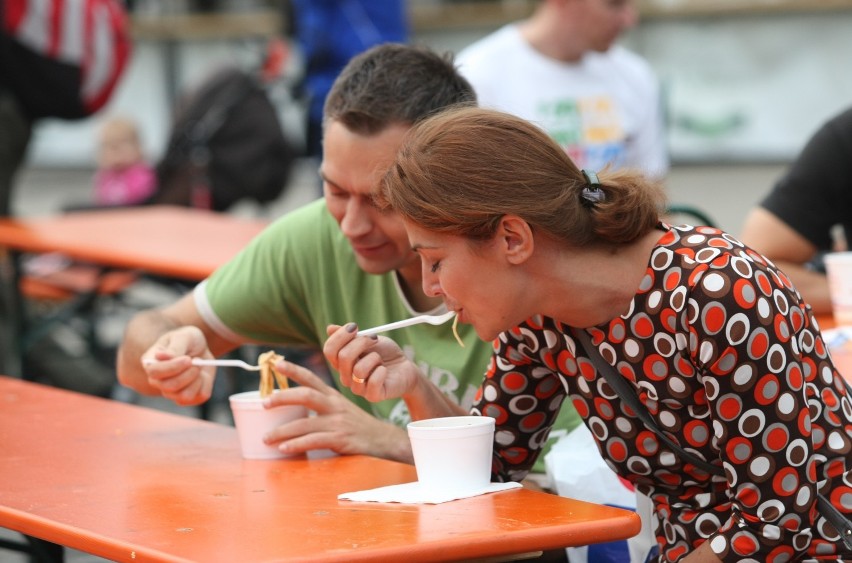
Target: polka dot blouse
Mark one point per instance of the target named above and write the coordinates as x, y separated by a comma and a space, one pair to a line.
730, 363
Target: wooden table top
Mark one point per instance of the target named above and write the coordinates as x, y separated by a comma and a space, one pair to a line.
169, 241
134, 484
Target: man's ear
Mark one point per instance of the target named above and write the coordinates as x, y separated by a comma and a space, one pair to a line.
516, 238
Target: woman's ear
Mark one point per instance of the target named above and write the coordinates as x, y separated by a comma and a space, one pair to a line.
516, 238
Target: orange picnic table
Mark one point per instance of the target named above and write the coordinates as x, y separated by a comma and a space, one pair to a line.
134, 484
165, 241
176, 242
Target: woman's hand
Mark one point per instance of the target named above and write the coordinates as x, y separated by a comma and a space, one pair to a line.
169, 369
377, 369
373, 367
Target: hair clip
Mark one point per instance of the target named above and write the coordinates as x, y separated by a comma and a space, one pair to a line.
591, 194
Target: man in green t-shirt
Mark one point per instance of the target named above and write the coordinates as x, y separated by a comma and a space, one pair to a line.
335, 260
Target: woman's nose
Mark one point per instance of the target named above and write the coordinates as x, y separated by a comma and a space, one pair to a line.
431, 283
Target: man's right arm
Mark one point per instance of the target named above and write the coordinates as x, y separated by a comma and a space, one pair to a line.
790, 251
795, 220
174, 330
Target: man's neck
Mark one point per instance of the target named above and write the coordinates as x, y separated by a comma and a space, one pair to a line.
538, 31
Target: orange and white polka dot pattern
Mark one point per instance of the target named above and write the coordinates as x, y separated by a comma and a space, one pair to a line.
730, 363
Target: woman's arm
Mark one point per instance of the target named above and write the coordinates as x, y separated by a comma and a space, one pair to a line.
524, 394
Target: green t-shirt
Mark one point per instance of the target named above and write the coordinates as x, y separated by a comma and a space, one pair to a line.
300, 275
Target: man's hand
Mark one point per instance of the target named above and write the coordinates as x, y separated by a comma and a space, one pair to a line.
169, 369
339, 424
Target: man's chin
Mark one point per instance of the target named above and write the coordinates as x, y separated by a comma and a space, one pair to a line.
375, 267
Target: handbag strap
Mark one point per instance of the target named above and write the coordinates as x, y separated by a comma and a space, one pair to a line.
828, 511
631, 399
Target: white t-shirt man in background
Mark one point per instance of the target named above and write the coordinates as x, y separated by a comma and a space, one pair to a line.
561, 69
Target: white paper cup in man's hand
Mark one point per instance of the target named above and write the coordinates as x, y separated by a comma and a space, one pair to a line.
453, 454
838, 266
253, 422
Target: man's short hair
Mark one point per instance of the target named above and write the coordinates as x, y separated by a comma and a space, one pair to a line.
394, 83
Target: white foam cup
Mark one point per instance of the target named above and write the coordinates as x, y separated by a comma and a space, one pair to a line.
453, 454
253, 422
838, 266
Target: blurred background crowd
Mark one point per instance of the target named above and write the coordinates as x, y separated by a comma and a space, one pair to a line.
743, 83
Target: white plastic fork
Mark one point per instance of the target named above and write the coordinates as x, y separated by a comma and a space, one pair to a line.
225, 363
203, 362
430, 319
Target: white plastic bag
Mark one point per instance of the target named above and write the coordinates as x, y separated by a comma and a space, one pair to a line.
575, 467
576, 470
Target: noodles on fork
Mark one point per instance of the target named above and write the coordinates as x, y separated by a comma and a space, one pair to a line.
269, 375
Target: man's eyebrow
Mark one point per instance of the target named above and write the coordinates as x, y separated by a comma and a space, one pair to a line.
326, 179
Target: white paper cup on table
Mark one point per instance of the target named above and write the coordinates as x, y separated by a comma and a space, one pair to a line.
453, 454
253, 422
838, 266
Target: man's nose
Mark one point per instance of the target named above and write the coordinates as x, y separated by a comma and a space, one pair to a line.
356, 219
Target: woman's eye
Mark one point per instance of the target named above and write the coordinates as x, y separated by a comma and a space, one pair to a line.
435, 266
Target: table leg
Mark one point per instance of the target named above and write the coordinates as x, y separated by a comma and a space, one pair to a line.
11, 315
45, 551
40, 551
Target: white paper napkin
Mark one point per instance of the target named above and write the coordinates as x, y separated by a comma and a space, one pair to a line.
413, 493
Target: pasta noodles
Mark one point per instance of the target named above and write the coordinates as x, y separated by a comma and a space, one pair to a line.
269, 375
456, 331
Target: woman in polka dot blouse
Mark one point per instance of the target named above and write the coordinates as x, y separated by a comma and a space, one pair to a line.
716, 342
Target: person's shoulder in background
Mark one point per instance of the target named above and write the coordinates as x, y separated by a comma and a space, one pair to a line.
633, 65
485, 57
